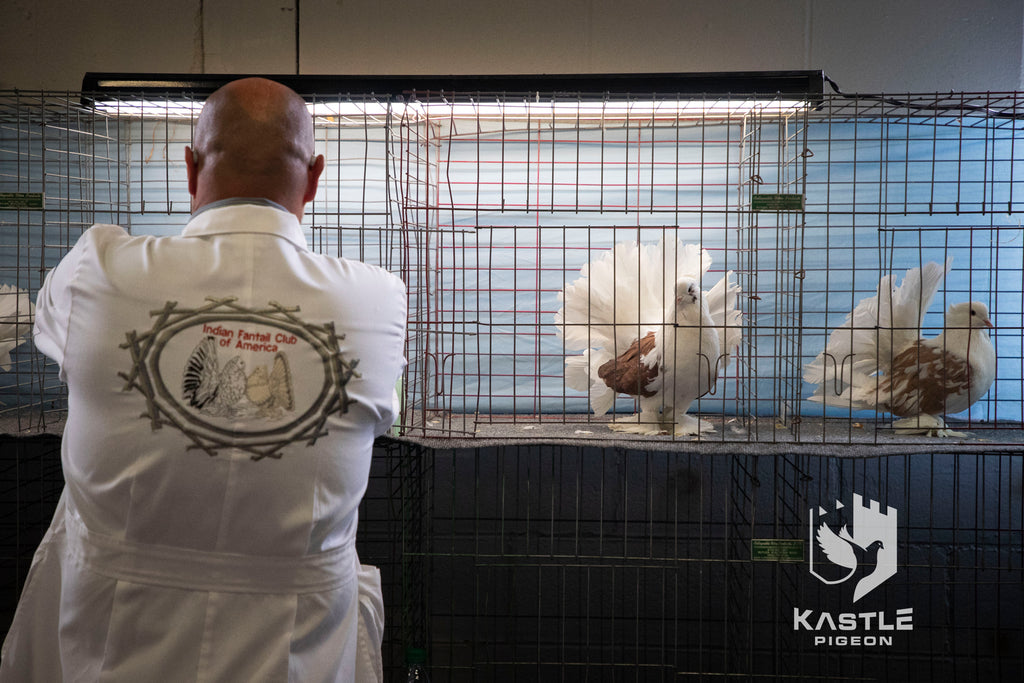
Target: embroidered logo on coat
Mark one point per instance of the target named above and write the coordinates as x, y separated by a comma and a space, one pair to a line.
223, 375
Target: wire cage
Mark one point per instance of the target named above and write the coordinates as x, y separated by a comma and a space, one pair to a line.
583, 563
522, 538
490, 204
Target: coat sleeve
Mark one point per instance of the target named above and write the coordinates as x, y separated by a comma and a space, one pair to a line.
399, 310
55, 300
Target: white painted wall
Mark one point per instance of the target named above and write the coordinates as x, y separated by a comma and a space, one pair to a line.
864, 45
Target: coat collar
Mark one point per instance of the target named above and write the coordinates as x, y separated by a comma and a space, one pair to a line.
246, 216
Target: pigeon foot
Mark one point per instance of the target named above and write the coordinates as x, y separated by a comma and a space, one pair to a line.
688, 425
927, 425
637, 424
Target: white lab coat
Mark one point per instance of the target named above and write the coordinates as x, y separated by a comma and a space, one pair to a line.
224, 387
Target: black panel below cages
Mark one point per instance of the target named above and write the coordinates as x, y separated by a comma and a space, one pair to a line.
589, 564
30, 486
582, 563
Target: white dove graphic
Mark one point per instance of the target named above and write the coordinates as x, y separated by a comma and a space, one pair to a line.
841, 549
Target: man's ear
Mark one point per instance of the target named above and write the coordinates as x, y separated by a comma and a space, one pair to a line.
316, 167
191, 168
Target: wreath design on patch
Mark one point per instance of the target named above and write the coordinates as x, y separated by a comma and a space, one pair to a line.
222, 375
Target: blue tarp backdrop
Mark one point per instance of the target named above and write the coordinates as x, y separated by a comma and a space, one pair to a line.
488, 223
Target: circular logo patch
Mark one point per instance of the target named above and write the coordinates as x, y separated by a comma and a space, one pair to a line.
222, 374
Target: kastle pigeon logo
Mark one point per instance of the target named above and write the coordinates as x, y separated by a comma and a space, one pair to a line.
866, 554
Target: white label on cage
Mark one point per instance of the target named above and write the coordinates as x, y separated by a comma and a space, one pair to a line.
777, 202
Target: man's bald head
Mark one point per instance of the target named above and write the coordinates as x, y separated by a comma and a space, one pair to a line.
253, 138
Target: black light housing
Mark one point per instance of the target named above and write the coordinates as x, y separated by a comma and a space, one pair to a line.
794, 85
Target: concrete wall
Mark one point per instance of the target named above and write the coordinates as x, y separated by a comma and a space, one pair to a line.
865, 46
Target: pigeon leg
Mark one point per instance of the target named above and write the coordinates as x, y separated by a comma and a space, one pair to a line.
640, 423
928, 425
647, 421
688, 425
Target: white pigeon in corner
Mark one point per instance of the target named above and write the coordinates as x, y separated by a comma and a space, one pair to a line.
646, 329
877, 359
16, 315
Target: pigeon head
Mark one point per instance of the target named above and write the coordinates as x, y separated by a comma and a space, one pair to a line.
689, 301
687, 292
969, 314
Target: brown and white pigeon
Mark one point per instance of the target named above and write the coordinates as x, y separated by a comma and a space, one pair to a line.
877, 359
646, 329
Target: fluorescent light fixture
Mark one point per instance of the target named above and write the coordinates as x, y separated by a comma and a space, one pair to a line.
357, 113
353, 99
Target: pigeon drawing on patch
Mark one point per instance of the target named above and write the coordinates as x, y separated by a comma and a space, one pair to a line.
231, 392
866, 556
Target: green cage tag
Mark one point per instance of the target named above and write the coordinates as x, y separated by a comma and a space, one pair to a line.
777, 549
21, 201
777, 202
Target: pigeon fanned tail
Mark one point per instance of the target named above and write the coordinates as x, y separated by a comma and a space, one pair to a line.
873, 333
620, 296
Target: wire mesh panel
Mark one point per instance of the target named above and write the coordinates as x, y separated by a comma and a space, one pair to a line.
529, 190
61, 170
492, 207
587, 563
905, 182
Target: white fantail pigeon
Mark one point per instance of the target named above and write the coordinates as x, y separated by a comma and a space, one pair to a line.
877, 360
16, 315
645, 328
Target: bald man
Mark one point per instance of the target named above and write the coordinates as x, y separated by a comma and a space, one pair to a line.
254, 138
225, 387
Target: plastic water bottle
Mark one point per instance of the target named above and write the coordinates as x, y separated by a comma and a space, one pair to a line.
416, 661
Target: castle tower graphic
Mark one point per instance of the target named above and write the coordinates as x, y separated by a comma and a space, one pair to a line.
872, 541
